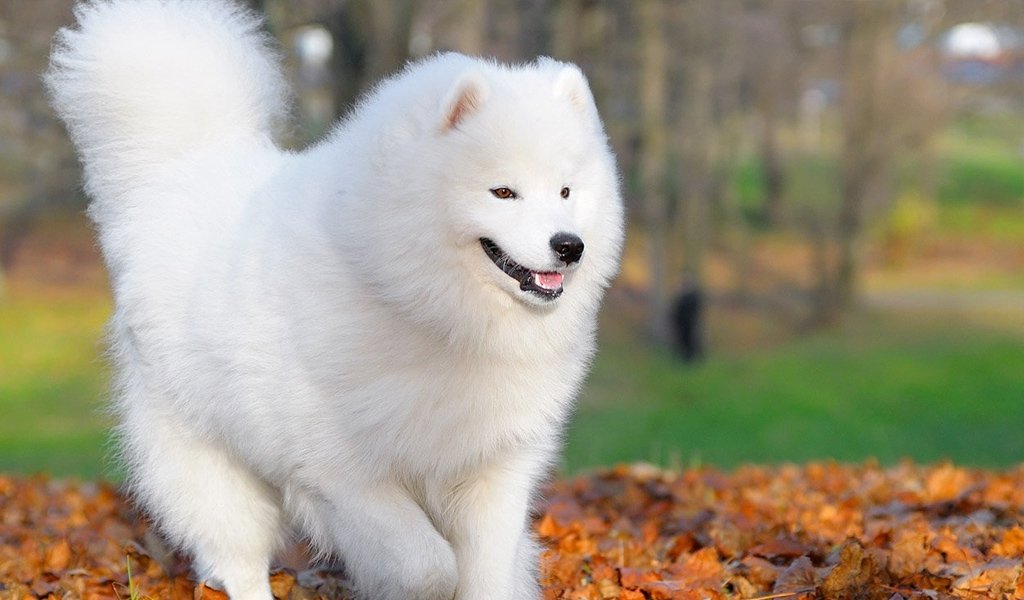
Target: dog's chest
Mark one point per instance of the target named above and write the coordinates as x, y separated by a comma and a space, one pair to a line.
476, 411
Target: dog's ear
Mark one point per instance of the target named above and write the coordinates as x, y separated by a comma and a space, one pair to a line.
571, 85
465, 98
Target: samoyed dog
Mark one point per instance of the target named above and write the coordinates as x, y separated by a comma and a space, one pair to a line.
373, 343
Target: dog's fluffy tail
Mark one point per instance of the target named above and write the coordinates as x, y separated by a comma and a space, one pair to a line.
140, 83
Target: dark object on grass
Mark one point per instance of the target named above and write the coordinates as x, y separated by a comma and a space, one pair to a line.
688, 323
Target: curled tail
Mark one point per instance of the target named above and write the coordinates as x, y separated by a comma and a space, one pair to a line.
142, 82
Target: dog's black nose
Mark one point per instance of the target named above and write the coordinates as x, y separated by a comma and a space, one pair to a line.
567, 246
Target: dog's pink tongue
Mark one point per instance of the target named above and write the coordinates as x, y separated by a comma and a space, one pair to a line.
548, 281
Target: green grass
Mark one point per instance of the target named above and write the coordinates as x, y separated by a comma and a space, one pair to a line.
980, 162
884, 387
985, 177
52, 382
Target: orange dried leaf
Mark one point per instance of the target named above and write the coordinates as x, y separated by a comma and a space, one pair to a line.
608, 589
998, 578
910, 548
946, 482
547, 527
281, 584
702, 569
798, 576
204, 592
58, 557
856, 576
1011, 544
780, 547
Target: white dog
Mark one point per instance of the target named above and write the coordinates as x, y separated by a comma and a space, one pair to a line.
374, 342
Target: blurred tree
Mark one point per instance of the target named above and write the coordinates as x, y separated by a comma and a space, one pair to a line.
534, 33
704, 117
465, 28
807, 105
654, 158
38, 171
888, 106
771, 30
371, 38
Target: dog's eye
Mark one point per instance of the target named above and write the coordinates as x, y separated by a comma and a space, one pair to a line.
565, 193
504, 193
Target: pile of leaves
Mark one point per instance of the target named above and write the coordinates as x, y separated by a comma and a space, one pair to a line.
631, 533
817, 531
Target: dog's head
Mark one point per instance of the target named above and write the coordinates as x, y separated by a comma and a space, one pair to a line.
535, 196
510, 186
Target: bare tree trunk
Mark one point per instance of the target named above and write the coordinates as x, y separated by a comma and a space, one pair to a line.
849, 225
653, 159
710, 73
772, 175
471, 28
569, 17
730, 135
389, 48
533, 32
869, 142
698, 133
371, 40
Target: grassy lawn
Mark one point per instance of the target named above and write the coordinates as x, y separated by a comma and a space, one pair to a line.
52, 382
884, 386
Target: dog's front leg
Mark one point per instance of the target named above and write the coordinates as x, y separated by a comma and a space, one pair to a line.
494, 549
388, 544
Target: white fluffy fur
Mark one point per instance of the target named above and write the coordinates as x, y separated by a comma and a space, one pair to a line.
317, 341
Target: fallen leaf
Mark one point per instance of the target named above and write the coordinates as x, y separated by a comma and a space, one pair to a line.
281, 584
780, 547
204, 592
1011, 544
58, 557
798, 576
855, 576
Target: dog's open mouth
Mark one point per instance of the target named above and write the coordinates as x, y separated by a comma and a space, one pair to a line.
546, 284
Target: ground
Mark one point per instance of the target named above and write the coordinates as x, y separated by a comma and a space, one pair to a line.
822, 530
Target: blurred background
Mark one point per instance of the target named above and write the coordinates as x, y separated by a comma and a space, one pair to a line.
825, 255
